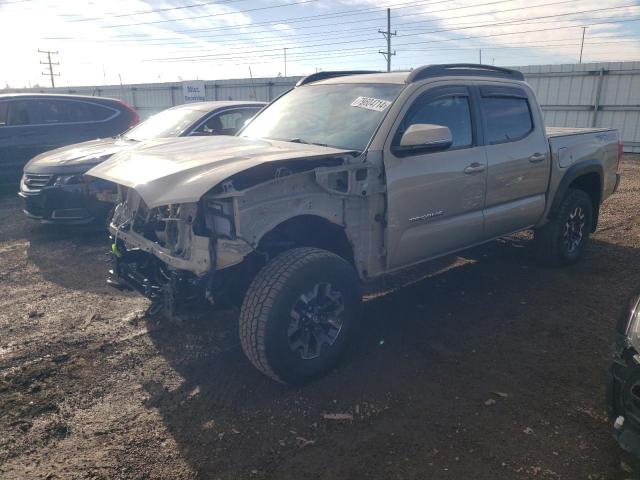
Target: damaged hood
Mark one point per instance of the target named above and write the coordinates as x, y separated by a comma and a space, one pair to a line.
180, 170
77, 157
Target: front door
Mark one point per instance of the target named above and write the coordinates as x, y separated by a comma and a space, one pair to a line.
435, 199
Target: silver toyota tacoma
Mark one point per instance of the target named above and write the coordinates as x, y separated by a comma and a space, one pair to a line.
345, 178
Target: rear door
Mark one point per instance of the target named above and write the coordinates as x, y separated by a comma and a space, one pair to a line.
435, 199
518, 158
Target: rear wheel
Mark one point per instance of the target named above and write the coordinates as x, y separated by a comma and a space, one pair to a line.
563, 239
298, 314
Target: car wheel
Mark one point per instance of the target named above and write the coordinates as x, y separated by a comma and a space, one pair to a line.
563, 239
298, 313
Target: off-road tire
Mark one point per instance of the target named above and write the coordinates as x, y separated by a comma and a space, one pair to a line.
550, 248
266, 309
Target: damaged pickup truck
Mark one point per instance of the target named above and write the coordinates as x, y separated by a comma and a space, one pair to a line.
347, 177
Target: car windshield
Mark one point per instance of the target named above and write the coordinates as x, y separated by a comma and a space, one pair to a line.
337, 115
168, 123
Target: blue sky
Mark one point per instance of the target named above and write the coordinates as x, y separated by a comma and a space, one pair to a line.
100, 42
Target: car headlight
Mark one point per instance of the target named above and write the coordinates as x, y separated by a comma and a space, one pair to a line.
75, 179
632, 331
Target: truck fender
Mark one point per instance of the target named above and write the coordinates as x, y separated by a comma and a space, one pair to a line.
574, 172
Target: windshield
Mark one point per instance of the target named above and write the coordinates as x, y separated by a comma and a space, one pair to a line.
337, 115
168, 123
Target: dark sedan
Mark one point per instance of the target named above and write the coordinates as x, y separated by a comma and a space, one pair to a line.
34, 123
53, 186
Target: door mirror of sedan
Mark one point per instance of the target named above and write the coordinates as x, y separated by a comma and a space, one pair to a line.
425, 137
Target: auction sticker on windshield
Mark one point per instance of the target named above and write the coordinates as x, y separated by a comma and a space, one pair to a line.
371, 103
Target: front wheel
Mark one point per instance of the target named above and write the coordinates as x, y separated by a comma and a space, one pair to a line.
298, 314
563, 239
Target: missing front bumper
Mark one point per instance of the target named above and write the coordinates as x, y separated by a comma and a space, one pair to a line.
169, 290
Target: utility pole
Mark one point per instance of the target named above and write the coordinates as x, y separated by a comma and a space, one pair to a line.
388, 34
50, 73
584, 29
285, 62
480, 56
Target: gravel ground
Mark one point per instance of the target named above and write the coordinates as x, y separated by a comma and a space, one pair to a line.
485, 366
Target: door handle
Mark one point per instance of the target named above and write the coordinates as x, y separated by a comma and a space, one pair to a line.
475, 167
537, 157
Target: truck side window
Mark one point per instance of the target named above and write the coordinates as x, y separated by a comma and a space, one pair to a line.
450, 111
507, 118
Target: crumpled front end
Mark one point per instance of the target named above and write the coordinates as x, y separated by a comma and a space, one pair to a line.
623, 389
160, 252
166, 232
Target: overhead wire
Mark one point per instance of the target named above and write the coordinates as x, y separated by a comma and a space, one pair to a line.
263, 51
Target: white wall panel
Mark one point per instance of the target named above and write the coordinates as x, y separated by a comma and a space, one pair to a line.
567, 94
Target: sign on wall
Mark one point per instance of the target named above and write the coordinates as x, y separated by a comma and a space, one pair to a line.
193, 91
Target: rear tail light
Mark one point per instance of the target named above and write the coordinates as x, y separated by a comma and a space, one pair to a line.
620, 149
135, 118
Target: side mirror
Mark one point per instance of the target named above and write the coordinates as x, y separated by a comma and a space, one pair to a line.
426, 137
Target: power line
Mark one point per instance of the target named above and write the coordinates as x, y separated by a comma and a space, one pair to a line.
298, 2
351, 36
223, 57
354, 61
538, 44
158, 10
262, 51
322, 16
364, 39
279, 44
50, 73
132, 37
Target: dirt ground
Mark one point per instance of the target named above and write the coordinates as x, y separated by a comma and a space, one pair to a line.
90, 388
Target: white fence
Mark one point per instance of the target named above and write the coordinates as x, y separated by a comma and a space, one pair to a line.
586, 95
590, 95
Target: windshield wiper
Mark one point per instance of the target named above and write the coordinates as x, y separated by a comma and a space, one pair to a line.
306, 142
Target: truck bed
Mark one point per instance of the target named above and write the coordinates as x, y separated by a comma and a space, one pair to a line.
571, 146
